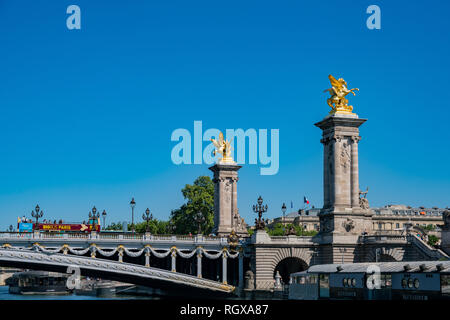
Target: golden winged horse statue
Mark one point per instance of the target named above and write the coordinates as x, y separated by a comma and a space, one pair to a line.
338, 91
224, 148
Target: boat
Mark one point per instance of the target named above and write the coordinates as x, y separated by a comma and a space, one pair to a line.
38, 282
414, 280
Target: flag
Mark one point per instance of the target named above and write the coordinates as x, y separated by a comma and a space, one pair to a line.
292, 204
305, 200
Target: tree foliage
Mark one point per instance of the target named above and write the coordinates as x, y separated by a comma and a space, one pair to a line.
155, 226
200, 201
115, 226
278, 229
432, 240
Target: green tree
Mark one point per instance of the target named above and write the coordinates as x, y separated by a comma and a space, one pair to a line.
278, 229
200, 200
114, 226
155, 227
432, 240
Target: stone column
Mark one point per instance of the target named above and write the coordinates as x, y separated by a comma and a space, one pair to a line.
338, 196
199, 264
341, 218
174, 260
340, 136
93, 252
224, 267
225, 197
241, 269
326, 179
355, 173
147, 258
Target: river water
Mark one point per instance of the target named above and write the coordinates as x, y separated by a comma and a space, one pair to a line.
5, 295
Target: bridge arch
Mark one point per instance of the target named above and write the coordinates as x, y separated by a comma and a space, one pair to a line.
289, 265
386, 254
290, 260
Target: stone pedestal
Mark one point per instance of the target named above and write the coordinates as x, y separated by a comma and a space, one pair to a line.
343, 218
226, 215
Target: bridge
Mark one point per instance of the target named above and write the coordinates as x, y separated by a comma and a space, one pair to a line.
112, 270
167, 262
201, 263
212, 263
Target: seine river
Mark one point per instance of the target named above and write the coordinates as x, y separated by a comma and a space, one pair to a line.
5, 295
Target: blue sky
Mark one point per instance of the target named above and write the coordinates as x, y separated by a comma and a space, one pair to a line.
87, 115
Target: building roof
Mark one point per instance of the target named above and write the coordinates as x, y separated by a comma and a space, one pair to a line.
385, 267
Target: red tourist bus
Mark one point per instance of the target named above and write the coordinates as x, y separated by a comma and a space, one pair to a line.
60, 227
68, 227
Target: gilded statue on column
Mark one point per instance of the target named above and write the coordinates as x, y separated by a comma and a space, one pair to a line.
224, 148
338, 91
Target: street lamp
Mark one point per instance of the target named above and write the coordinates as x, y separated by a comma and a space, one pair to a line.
104, 219
94, 216
147, 218
260, 209
199, 218
37, 213
132, 205
11, 228
172, 227
283, 209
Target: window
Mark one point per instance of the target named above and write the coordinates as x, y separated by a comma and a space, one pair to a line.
354, 282
397, 225
312, 279
344, 282
416, 283
404, 282
410, 283
324, 285
445, 284
386, 280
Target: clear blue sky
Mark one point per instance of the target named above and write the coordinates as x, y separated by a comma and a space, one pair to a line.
86, 115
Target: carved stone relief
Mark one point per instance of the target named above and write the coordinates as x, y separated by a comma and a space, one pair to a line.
344, 157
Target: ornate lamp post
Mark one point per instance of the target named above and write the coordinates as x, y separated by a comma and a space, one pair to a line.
199, 218
260, 209
132, 205
104, 219
11, 228
94, 216
147, 217
37, 213
283, 209
172, 227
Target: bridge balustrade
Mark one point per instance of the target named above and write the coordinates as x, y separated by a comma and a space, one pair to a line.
117, 245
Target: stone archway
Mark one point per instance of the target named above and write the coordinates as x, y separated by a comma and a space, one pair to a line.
386, 254
386, 258
289, 265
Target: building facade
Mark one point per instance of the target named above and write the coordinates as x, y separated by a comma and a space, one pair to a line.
389, 217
